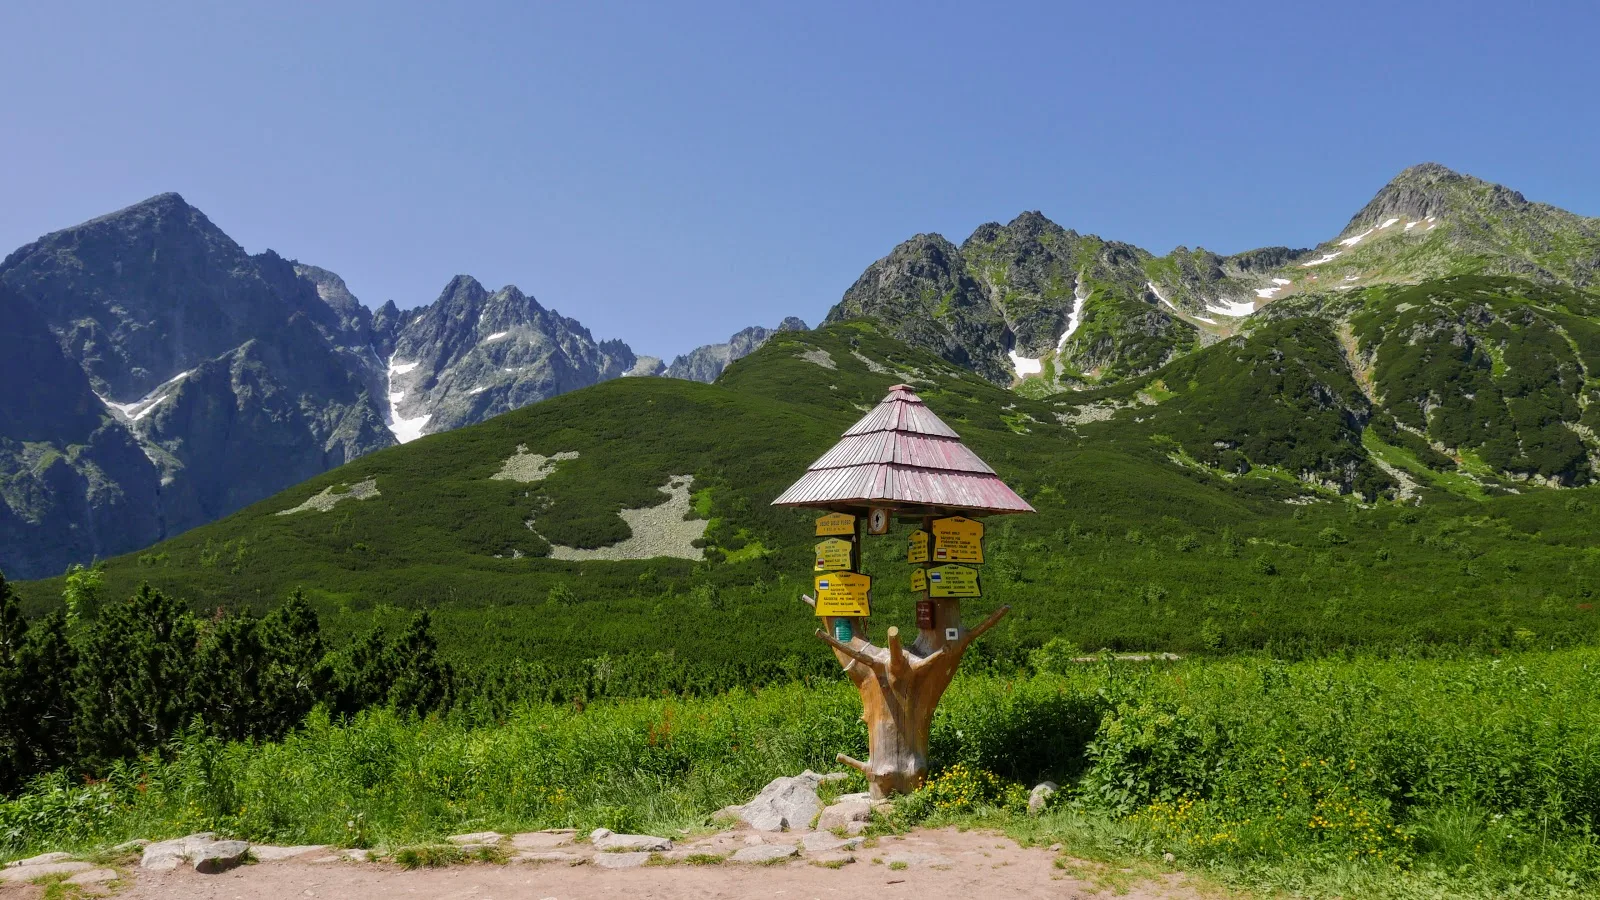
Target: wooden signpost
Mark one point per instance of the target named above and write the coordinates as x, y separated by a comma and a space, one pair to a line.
900, 683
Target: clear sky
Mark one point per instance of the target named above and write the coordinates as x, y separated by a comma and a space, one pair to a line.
668, 173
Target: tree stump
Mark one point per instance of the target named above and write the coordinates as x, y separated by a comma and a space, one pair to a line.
900, 687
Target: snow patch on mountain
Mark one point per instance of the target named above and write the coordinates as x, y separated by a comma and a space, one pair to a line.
1329, 257
496, 336
1235, 308
1352, 241
403, 429
1074, 318
1025, 366
145, 405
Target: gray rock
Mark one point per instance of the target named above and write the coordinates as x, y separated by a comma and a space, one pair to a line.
845, 813
94, 876
164, 856
621, 860
269, 853
765, 853
543, 840
832, 860
707, 362
623, 843
219, 856
16, 874
785, 804
1039, 798
822, 842
42, 859
549, 856
476, 837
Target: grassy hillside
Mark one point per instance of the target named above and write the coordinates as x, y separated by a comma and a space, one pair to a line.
1141, 540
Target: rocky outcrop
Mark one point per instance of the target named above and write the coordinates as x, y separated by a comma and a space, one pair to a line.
705, 363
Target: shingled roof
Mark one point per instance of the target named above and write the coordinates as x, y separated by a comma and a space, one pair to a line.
901, 455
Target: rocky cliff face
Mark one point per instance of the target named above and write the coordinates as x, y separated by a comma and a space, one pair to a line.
1035, 303
473, 354
174, 378
706, 362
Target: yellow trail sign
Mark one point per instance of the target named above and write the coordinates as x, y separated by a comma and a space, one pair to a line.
843, 594
957, 539
919, 580
953, 581
832, 554
917, 547
836, 523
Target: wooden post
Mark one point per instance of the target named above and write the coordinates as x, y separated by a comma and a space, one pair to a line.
900, 687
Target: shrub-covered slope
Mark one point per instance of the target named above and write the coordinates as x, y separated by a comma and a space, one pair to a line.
1142, 539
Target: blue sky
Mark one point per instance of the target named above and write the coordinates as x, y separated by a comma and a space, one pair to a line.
668, 173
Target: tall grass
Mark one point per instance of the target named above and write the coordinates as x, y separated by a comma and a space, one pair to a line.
1475, 772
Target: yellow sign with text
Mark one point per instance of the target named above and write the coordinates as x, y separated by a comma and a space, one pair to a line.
833, 553
953, 581
919, 580
917, 547
836, 523
957, 539
843, 594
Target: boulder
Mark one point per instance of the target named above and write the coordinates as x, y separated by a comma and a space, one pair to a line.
219, 856
1039, 798
786, 804
476, 838
621, 860
164, 856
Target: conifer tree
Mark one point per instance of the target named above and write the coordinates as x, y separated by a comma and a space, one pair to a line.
13, 717
134, 677
422, 681
297, 675
228, 672
48, 663
363, 675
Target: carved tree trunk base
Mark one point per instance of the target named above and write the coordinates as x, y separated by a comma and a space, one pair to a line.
900, 688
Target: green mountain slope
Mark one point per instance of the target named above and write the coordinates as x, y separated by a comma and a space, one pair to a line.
1143, 539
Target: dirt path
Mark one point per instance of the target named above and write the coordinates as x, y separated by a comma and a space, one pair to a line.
923, 865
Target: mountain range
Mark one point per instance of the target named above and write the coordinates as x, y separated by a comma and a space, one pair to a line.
1445, 336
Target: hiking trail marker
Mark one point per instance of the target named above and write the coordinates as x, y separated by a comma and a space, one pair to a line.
900, 462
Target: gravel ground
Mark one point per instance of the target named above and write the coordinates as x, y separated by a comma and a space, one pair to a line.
658, 530
327, 500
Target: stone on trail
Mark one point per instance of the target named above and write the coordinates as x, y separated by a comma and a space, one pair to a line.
28, 873
42, 859
544, 840
94, 876
219, 856
764, 853
164, 856
611, 842
621, 860
833, 860
475, 838
786, 804
1039, 798
269, 853
545, 856
845, 811
823, 842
